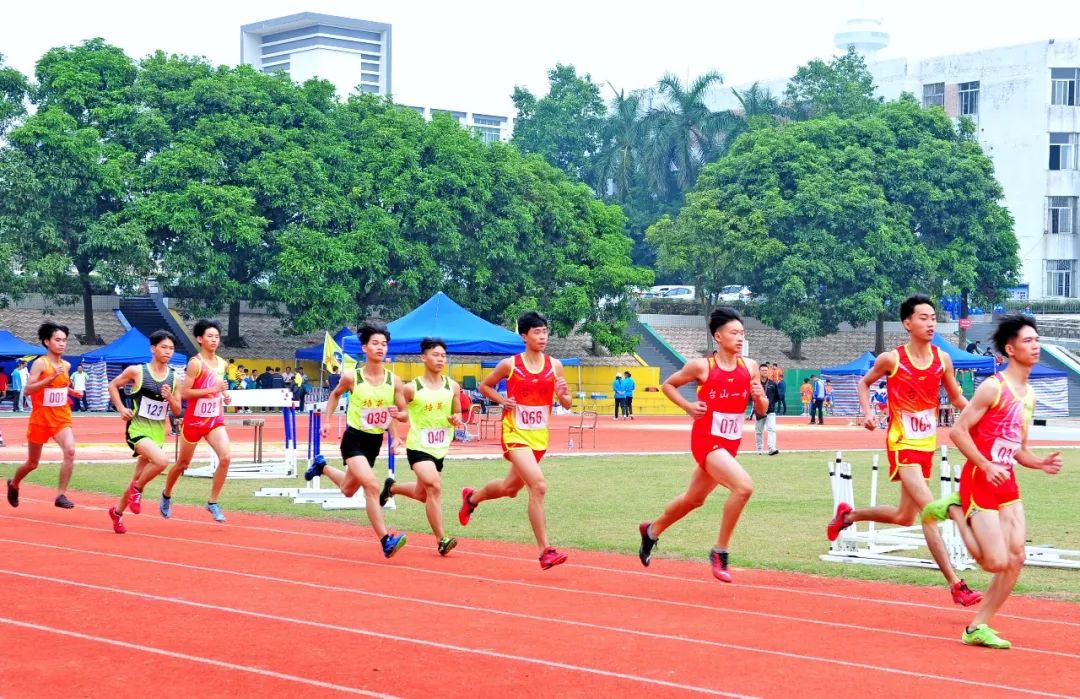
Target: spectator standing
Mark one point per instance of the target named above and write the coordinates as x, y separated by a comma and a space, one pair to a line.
628, 391
617, 388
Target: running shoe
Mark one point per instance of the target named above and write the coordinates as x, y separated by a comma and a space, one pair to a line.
964, 595
719, 559
385, 494
62, 502
117, 521
392, 542
316, 467
983, 635
551, 558
839, 521
12, 494
644, 551
446, 545
938, 510
215, 511
467, 508
134, 498
165, 505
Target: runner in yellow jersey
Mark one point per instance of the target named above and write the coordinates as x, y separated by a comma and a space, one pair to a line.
377, 398
432, 400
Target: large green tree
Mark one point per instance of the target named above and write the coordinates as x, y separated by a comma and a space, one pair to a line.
13, 90
842, 86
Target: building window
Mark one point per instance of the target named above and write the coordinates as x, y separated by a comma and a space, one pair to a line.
1063, 86
1060, 275
969, 98
1063, 151
1060, 215
488, 134
933, 95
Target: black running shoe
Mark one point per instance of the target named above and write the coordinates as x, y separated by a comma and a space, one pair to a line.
385, 494
647, 544
62, 501
12, 494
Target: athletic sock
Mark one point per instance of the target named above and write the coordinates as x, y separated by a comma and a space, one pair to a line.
649, 533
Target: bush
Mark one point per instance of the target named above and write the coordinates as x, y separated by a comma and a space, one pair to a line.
1047, 306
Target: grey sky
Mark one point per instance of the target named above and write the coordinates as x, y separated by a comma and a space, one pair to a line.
469, 56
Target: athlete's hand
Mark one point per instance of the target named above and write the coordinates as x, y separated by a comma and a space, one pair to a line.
697, 409
166, 392
1052, 464
126, 414
221, 386
560, 385
870, 422
324, 431
509, 403
456, 421
996, 473
757, 390
226, 398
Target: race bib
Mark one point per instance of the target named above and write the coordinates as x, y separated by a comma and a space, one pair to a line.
1004, 452
727, 425
436, 438
531, 417
55, 397
152, 409
208, 407
375, 418
918, 425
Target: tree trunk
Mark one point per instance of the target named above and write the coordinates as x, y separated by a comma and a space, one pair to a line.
90, 333
963, 315
232, 336
796, 349
879, 334
707, 309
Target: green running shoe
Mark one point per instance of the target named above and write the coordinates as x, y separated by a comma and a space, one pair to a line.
938, 510
983, 635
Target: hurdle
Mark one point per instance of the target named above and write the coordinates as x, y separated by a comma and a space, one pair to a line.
254, 469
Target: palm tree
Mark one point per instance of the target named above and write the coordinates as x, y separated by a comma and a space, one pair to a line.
757, 105
621, 138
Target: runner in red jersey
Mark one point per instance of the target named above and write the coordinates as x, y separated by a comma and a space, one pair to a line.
727, 382
534, 381
204, 390
992, 432
914, 374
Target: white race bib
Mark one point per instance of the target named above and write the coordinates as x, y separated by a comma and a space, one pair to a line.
919, 425
1004, 452
727, 425
531, 417
438, 437
152, 409
375, 418
208, 407
54, 397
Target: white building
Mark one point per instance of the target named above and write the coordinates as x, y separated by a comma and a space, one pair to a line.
489, 127
353, 54
1025, 102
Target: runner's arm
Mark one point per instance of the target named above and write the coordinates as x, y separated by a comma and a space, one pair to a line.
457, 415
562, 390
127, 376
884, 365
487, 386
402, 414
34, 382
952, 386
344, 384
985, 397
757, 391
694, 370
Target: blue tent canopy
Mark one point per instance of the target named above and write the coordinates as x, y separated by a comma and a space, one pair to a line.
11, 346
315, 352
440, 316
960, 358
130, 348
1038, 371
857, 366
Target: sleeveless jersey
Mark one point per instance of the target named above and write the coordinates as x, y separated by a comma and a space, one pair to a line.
150, 407
725, 394
429, 419
50, 406
527, 424
913, 402
369, 406
1000, 432
205, 413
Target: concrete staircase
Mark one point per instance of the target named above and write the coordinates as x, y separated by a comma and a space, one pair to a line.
149, 314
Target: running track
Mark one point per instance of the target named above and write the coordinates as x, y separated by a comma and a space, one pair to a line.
284, 607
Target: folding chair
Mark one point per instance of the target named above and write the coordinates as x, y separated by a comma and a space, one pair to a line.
587, 423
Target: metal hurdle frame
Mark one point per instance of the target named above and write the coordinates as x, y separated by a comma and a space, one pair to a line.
240, 469
312, 493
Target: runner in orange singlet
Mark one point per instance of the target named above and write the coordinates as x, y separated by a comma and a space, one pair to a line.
727, 382
533, 381
914, 374
49, 388
992, 432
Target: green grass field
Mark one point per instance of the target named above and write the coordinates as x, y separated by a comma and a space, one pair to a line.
597, 503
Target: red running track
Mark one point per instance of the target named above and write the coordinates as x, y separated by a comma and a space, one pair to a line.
285, 607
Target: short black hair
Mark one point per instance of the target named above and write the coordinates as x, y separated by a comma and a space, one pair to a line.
529, 320
721, 317
806, 380
159, 336
202, 325
628, 373
45, 331
907, 308
370, 329
431, 343
1009, 327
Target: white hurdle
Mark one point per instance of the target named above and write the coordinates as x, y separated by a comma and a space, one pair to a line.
252, 469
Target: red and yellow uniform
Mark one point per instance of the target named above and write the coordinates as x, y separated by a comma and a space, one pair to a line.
526, 426
998, 435
204, 415
725, 393
913, 412
50, 408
